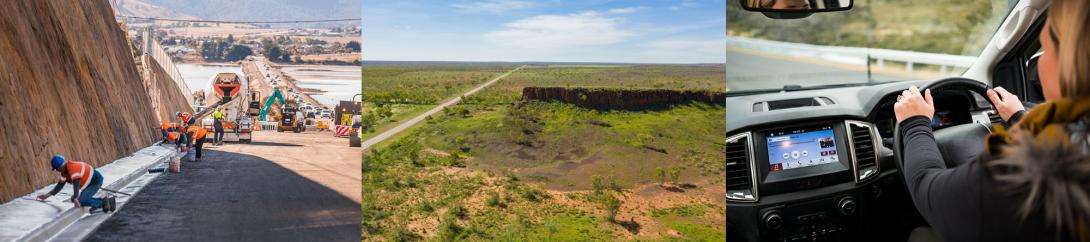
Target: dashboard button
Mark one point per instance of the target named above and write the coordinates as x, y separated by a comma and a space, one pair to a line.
846, 205
773, 220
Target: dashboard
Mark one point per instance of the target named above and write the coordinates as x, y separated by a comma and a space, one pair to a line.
804, 165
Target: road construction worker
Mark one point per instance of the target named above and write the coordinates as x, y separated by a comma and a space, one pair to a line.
187, 119
85, 182
198, 134
217, 125
178, 138
165, 127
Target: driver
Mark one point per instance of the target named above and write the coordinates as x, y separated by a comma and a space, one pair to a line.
780, 4
1033, 181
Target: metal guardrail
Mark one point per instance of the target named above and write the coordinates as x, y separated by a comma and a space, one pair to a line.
152, 48
854, 55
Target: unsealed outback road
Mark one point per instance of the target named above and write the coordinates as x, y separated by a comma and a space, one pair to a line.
402, 127
283, 187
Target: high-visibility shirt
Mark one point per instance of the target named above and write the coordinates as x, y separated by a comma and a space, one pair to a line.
172, 136
165, 126
217, 115
197, 132
174, 125
78, 171
185, 117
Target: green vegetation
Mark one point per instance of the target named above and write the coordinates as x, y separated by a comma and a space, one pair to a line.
385, 116
423, 83
689, 221
499, 168
962, 29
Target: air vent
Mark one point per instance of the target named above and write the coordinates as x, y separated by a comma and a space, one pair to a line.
864, 150
740, 177
792, 103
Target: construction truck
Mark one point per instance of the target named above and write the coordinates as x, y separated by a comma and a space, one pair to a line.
230, 93
348, 114
291, 119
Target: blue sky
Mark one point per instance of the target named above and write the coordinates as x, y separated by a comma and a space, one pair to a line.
680, 31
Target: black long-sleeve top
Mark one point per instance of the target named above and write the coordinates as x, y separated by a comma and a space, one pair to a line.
960, 203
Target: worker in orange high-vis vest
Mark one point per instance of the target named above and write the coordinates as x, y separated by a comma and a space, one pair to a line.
197, 134
187, 119
178, 138
166, 131
85, 182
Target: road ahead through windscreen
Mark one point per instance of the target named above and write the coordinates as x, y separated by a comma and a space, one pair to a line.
749, 70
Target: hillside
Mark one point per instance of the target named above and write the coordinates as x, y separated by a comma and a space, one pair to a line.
139, 8
264, 10
69, 85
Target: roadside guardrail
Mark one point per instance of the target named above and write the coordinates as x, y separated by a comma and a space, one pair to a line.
854, 55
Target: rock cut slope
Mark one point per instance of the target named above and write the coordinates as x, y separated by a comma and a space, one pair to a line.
68, 85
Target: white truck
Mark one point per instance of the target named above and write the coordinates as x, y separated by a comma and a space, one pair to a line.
231, 94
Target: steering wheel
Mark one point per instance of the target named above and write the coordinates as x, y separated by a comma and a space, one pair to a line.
959, 143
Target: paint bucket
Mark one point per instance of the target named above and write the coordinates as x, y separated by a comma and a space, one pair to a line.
175, 165
191, 155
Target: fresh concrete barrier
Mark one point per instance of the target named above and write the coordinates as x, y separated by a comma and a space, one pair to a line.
126, 170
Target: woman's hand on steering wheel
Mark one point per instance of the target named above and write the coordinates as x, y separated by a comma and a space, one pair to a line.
1004, 103
912, 103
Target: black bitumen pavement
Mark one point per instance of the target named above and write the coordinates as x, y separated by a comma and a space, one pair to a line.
234, 197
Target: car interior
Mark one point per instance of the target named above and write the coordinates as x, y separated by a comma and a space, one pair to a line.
838, 177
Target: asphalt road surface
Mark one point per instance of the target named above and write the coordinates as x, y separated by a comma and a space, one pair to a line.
402, 127
283, 187
748, 71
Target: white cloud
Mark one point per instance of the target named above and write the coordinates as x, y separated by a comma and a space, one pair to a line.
559, 31
684, 4
623, 10
493, 6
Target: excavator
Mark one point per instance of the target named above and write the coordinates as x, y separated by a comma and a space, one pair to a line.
275, 96
288, 119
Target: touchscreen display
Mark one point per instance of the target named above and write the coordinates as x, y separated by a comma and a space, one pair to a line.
797, 148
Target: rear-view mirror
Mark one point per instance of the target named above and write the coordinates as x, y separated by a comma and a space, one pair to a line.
796, 6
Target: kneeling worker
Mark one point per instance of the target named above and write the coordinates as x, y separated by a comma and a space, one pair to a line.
85, 183
198, 134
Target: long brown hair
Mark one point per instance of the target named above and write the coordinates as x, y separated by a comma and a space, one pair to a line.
1069, 20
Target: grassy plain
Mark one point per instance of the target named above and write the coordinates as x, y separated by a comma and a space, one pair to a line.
500, 168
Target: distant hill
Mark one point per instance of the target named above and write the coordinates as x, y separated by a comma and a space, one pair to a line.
248, 10
138, 8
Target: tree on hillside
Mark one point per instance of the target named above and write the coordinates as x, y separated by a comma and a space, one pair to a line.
661, 174
675, 173
354, 46
612, 205
212, 51
273, 53
285, 57
238, 52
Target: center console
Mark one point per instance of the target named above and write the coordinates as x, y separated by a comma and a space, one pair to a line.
802, 182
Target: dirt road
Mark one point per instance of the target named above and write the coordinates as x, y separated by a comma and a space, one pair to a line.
402, 127
283, 187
